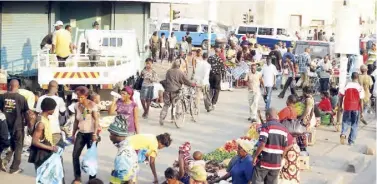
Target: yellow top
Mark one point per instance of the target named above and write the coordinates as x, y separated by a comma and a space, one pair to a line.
144, 142
47, 129
29, 96
62, 40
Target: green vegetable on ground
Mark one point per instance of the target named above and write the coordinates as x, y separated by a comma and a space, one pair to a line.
219, 155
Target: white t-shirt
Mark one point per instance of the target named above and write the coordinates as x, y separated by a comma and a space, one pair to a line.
269, 73
202, 71
172, 42
163, 42
54, 118
94, 39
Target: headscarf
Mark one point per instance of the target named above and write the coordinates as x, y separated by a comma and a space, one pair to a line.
130, 92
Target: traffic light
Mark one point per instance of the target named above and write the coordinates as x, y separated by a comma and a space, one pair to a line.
246, 18
174, 14
251, 18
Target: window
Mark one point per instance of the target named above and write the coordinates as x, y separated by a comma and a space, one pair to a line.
265, 31
175, 27
244, 30
189, 27
281, 31
205, 28
164, 26
112, 42
119, 42
105, 42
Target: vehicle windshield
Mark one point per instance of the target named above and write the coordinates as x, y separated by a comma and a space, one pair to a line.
214, 29
316, 51
265, 31
244, 30
165, 27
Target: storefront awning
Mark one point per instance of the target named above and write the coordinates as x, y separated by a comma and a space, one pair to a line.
166, 1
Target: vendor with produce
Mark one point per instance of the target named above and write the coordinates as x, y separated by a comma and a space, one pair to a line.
241, 168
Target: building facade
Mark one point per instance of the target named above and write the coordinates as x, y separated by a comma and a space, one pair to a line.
295, 15
23, 25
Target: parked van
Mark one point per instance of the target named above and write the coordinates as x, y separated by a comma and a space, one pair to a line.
198, 31
266, 35
318, 49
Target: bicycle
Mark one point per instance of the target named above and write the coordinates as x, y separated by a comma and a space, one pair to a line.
190, 101
184, 103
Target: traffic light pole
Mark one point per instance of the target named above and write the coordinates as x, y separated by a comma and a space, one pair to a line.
171, 19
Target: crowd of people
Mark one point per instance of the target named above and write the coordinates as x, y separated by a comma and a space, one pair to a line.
271, 162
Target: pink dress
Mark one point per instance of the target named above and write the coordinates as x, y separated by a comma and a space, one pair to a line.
127, 110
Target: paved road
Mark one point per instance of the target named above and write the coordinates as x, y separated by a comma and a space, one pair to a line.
228, 121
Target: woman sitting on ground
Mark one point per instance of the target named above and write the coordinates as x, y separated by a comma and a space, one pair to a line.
241, 167
324, 107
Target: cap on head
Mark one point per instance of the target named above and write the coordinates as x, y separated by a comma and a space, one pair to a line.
58, 23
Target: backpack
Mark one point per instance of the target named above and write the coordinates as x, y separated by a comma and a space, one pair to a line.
351, 99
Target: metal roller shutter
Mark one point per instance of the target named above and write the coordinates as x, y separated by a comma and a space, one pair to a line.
130, 15
24, 25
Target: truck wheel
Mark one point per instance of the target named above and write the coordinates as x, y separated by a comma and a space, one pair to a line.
205, 44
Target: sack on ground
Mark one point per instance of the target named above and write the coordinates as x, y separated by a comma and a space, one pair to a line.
51, 171
294, 127
89, 163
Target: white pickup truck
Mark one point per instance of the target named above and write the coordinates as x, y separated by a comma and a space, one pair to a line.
119, 60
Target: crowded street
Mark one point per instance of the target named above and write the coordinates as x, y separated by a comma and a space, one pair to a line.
188, 92
328, 159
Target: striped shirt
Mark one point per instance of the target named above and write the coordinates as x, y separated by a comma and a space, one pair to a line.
275, 137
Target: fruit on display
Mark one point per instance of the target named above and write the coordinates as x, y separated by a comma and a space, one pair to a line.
300, 108
252, 133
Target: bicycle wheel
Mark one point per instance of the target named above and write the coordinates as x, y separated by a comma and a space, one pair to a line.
179, 114
194, 109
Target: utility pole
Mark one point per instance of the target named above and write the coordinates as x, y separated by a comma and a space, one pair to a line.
171, 20
212, 16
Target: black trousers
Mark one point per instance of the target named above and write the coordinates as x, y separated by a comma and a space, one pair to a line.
324, 84
82, 139
4, 133
61, 64
214, 82
16, 144
287, 84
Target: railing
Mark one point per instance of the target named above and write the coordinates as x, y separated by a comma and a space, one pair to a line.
45, 59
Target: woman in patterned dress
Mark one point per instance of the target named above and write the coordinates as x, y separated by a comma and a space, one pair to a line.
290, 172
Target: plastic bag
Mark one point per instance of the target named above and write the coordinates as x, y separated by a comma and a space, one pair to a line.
141, 156
294, 127
89, 163
51, 171
137, 99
